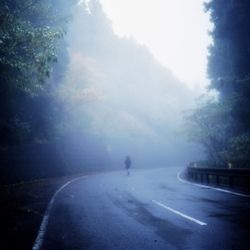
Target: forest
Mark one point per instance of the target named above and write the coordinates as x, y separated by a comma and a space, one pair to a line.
221, 123
75, 96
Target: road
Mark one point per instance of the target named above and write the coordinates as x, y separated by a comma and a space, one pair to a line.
150, 209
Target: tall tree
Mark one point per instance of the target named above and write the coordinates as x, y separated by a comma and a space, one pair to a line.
29, 37
229, 71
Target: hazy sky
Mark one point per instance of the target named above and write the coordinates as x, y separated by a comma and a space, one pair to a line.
176, 32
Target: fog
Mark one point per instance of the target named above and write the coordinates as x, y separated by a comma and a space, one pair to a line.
111, 111
175, 31
117, 92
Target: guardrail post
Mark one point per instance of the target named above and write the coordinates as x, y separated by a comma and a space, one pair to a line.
201, 178
217, 179
207, 178
230, 181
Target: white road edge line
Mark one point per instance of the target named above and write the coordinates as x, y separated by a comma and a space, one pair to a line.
210, 187
43, 227
181, 214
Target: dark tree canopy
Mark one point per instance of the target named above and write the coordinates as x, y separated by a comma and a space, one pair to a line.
229, 71
30, 34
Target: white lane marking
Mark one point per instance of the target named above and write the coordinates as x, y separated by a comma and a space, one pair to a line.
181, 214
210, 187
43, 227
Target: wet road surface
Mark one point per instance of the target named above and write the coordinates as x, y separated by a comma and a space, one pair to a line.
150, 209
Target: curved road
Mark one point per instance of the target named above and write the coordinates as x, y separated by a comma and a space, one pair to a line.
150, 209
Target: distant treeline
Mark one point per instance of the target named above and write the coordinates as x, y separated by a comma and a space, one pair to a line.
35, 141
221, 123
63, 69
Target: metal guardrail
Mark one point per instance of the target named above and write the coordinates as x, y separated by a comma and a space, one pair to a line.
232, 178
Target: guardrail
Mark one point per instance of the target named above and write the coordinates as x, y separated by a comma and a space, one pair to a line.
231, 178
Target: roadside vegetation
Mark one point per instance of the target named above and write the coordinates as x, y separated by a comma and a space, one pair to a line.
221, 121
70, 102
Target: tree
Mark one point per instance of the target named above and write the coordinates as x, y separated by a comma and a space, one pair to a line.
208, 125
29, 38
229, 71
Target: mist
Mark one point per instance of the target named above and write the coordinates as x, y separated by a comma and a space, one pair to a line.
124, 124
83, 97
116, 90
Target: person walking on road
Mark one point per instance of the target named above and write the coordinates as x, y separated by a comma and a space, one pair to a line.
127, 164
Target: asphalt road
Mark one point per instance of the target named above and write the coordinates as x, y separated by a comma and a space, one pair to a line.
150, 209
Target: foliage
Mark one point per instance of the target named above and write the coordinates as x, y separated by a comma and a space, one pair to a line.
223, 127
229, 54
209, 125
29, 40
28, 45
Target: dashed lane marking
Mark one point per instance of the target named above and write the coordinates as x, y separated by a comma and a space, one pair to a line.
180, 214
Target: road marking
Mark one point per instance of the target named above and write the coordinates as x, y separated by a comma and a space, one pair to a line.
181, 214
43, 227
210, 187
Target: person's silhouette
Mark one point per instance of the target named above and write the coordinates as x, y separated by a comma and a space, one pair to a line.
127, 164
